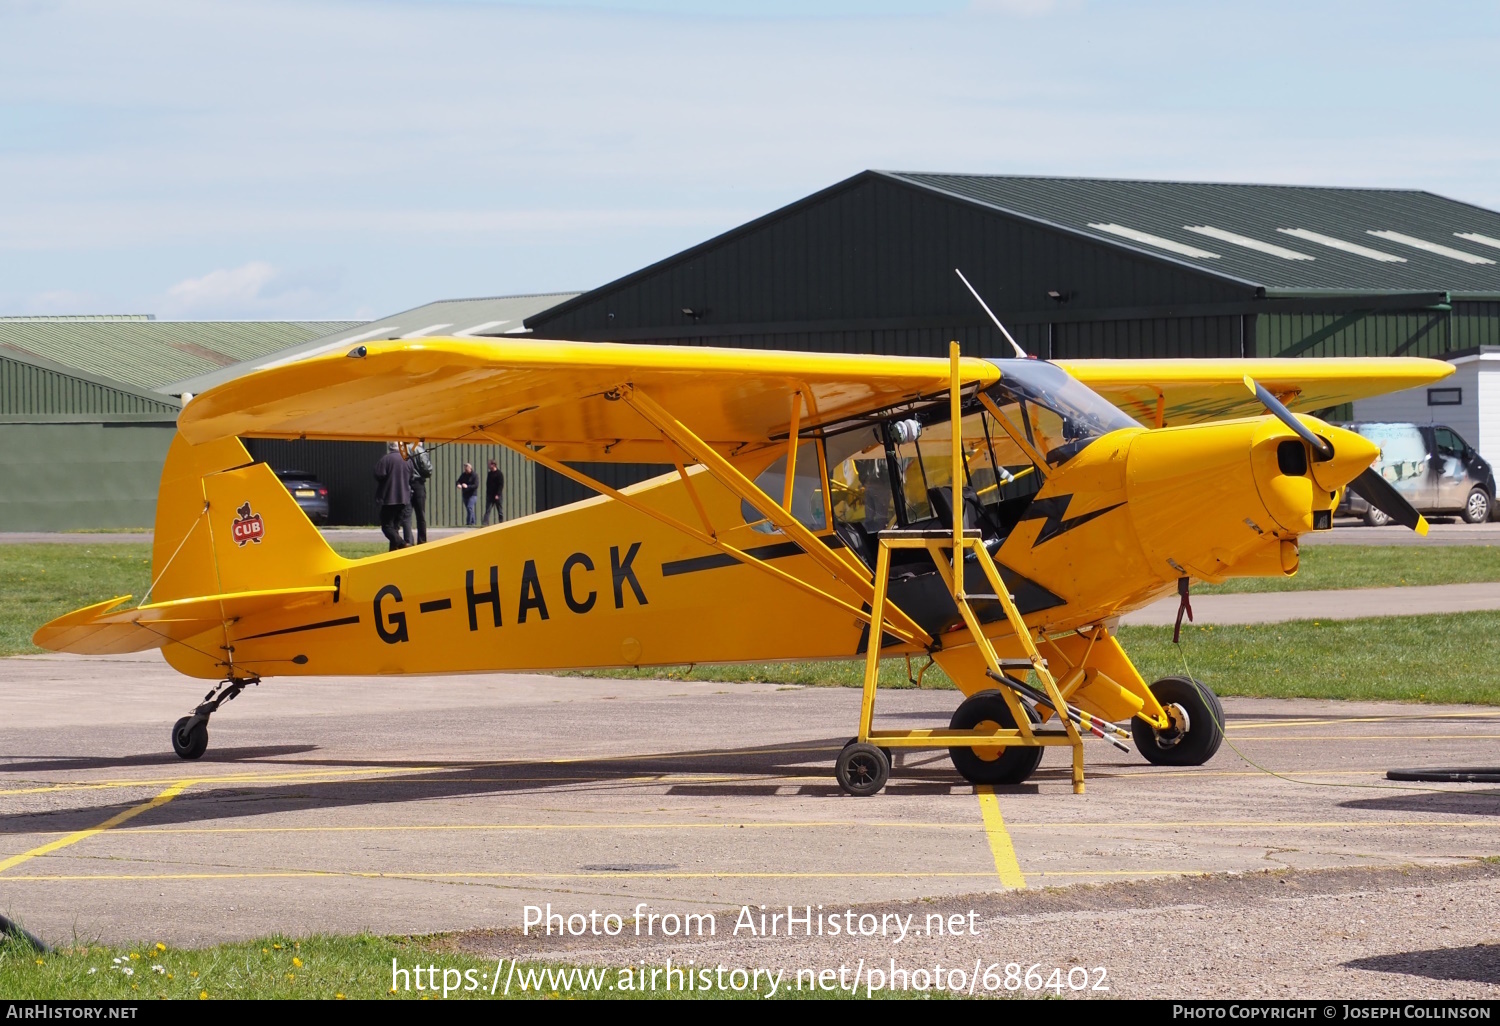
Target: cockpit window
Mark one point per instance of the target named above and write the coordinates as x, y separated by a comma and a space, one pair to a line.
859, 479
807, 492
1056, 413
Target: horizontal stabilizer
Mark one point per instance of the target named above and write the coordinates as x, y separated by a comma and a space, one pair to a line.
105, 629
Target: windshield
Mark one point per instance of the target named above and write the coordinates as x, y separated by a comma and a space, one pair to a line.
1058, 414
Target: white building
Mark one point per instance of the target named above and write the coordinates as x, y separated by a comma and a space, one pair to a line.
1468, 402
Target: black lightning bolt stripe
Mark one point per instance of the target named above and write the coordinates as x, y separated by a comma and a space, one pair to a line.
1051, 511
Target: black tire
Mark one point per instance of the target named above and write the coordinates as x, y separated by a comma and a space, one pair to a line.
890, 756
862, 769
1205, 725
1013, 764
1477, 507
190, 737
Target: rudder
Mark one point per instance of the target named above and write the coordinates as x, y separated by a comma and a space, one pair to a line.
225, 523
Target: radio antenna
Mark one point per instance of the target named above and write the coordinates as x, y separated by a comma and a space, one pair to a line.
975, 293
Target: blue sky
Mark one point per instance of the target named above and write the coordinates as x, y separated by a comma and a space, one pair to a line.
333, 158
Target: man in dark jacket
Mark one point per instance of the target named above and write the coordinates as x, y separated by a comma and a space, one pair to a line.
494, 494
421, 470
468, 491
393, 492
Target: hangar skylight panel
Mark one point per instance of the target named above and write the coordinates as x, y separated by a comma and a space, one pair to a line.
1246, 242
1342, 244
1430, 247
1483, 240
1136, 235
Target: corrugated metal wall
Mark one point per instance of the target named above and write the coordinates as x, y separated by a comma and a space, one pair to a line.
1421, 333
29, 389
76, 476
1475, 324
347, 468
867, 266
554, 490
1142, 339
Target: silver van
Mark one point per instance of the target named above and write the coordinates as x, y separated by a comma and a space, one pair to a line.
1432, 467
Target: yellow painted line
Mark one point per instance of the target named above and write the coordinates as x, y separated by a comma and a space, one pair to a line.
297, 874
1116, 774
1001, 847
1242, 824
113, 821
236, 778
1258, 824
1377, 737
332, 777
1416, 717
522, 827
1135, 872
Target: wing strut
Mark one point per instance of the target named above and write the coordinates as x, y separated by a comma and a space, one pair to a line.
913, 635
860, 581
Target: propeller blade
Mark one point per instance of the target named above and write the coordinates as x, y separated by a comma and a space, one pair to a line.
1320, 447
1378, 492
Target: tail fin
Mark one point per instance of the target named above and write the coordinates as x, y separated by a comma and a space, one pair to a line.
230, 542
225, 524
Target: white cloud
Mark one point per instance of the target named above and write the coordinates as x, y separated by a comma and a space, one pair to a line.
255, 289
240, 288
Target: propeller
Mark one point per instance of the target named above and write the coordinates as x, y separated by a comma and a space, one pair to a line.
1320, 447
1376, 490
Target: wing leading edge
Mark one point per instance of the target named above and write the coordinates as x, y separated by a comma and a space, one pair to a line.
560, 397
1192, 391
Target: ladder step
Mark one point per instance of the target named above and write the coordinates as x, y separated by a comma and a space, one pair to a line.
1020, 664
987, 598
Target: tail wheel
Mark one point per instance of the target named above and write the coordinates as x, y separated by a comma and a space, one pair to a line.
862, 769
1197, 724
190, 736
1002, 764
1477, 508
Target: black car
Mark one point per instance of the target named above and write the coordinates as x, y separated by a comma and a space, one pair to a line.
1431, 466
310, 493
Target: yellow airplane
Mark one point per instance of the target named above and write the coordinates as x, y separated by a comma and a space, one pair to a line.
813, 508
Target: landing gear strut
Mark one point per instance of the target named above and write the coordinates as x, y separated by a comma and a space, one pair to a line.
190, 734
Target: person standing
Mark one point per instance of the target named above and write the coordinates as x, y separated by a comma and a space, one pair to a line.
393, 492
468, 491
421, 472
494, 494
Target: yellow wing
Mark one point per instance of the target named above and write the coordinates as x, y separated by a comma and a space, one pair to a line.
559, 397
102, 629
1191, 391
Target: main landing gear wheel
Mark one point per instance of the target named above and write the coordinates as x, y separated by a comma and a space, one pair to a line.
190, 736
1197, 724
862, 769
1002, 764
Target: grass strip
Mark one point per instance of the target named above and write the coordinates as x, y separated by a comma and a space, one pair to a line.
358, 967
1326, 567
1438, 658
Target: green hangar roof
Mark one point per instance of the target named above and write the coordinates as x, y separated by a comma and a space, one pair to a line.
1287, 239
143, 352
